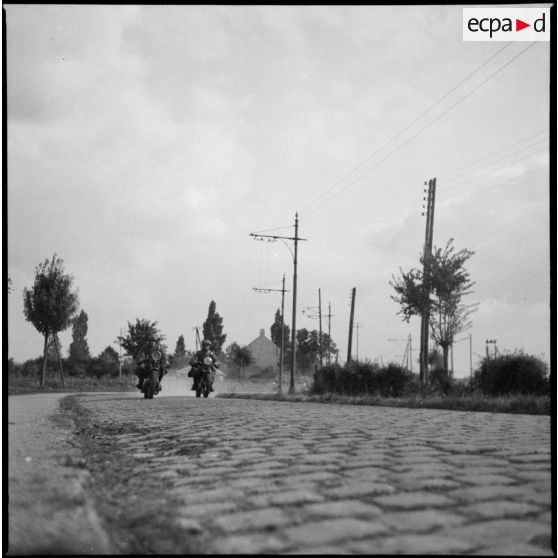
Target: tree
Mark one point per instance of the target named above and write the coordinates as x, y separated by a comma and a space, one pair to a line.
275, 331
180, 356
50, 304
441, 291
213, 328
241, 357
79, 349
308, 348
139, 336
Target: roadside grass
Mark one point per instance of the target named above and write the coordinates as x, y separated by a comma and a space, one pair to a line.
516, 404
26, 385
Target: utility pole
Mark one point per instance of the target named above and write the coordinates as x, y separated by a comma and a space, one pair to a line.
329, 334
120, 357
319, 316
281, 353
295, 238
320, 311
471, 354
351, 324
425, 316
410, 353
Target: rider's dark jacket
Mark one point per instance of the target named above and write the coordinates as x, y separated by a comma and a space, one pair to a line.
197, 361
142, 361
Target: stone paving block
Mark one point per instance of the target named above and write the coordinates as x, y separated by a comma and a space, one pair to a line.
317, 476
201, 510
421, 520
343, 508
434, 484
265, 464
414, 500
501, 532
358, 463
252, 520
199, 496
531, 458
468, 460
498, 509
296, 497
514, 550
486, 480
247, 544
484, 493
348, 490
533, 476
299, 469
318, 458
190, 525
413, 544
330, 530
366, 472
313, 550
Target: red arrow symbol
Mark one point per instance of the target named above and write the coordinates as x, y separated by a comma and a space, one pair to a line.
519, 25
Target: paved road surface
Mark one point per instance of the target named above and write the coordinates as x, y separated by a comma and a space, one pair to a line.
248, 476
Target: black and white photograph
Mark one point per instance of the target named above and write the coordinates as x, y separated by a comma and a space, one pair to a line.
278, 279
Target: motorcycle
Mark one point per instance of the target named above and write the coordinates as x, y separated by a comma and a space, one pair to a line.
206, 376
151, 384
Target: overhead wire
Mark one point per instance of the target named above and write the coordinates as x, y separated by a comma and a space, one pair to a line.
447, 173
490, 163
441, 194
493, 74
405, 128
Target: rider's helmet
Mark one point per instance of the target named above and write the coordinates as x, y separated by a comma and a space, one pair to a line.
206, 344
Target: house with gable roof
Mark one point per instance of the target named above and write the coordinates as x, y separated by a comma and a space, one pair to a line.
264, 351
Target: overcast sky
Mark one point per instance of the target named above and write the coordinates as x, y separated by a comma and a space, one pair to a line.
146, 143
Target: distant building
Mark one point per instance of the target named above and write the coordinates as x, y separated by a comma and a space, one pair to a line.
264, 351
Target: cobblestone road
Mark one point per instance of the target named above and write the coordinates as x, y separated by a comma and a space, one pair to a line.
254, 476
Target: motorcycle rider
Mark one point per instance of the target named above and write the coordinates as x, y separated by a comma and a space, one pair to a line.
143, 362
197, 362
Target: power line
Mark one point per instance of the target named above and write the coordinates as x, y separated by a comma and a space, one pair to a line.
422, 129
506, 165
497, 160
446, 174
275, 229
404, 129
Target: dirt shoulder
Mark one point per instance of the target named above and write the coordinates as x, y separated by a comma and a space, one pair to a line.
49, 510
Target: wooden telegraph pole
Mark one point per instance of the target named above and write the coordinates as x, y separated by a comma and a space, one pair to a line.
281, 353
320, 311
425, 316
329, 334
351, 324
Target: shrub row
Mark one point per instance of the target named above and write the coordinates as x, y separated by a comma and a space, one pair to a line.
508, 374
516, 373
364, 378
